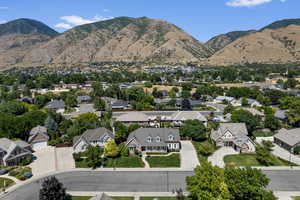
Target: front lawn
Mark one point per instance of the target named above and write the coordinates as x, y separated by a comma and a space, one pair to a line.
204, 149
21, 173
79, 198
249, 160
123, 198
203, 108
124, 162
262, 134
164, 161
296, 198
159, 198
6, 183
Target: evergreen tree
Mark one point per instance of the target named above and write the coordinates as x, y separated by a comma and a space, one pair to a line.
52, 189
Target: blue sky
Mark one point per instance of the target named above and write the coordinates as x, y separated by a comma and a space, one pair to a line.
200, 18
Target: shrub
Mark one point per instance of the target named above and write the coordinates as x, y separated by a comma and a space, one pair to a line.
297, 150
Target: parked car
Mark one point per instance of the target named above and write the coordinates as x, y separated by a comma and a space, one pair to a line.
27, 174
3, 171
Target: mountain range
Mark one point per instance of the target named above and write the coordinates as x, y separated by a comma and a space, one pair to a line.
26, 42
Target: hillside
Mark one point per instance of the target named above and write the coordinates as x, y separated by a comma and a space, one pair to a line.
119, 39
282, 24
274, 46
220, 41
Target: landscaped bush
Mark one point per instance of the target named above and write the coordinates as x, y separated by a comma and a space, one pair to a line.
297, 150
20, 173
26, 161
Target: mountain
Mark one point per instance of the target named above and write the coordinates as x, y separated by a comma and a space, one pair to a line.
282, 24
220, 41
269, 46
119, 39
26, 27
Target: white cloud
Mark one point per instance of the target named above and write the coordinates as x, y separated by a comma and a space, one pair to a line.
63, 26
73, 20
247, 3
3, 21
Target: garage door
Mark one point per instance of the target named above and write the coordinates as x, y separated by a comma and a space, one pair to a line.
39, 145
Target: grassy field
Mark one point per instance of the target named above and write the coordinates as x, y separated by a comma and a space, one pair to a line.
204, 149
124, 162
123, 198
164, 161
160, 198
8, 182
249, 160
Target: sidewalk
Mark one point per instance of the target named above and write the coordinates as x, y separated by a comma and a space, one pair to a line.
217, 159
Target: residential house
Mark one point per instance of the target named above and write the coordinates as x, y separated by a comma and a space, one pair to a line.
82, 99
251, 103
288, 139
233, 135
13, 152
221, 99
120, 105
56, 105
38, 138
154, 140
94, 137
281, 115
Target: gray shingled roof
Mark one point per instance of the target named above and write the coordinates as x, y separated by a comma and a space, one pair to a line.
290, 137
237, 129
280, 114
93, 134
83, 98
36, 131
120, 103
142, 134
56, 104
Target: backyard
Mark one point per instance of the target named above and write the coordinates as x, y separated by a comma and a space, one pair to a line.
164, 161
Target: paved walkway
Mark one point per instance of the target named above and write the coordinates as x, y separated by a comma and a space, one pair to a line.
17, 181
147, 166
217, 158
45, 161
286, 195
64, 158
280, 152
188, 154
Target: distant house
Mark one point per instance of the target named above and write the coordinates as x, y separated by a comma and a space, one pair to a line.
28, 100
251, 103
221, 99
38, 138
233, 135
120, 105
288, 139
154, 140
281, 115
254, 111
56, 105
82, 99
94, 137
13, 152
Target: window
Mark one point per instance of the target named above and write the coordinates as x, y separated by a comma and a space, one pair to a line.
171, 137
149, 139
157, 139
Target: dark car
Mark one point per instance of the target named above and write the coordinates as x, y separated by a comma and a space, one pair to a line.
3, 171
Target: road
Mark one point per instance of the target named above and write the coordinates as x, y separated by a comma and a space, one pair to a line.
140, 182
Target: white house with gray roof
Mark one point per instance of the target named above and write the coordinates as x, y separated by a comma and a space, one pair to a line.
288, 139
38, 138
94, 137
233, 135
13, 152
154, 140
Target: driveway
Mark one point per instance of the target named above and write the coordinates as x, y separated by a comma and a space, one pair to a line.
217, 158
188, 154
45, 161
64, 157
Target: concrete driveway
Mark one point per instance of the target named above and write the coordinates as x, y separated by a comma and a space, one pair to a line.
188, 154
217, 158
45, 161
64, 157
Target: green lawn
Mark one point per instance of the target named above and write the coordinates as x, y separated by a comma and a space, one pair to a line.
204, 149
125, 162
250, 160
8, 182
80, 198
296, 198
164, 161
262, 134
123, 198
81, 164
160, 198
204, 108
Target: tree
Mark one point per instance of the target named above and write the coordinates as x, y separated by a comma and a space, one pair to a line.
52, 189
13, 107
194, 129
247, 184
99, 104
244, 116
186, 104
244, 102
71, 101
94, 156
111, 149
272, 122
208, 183
50, 124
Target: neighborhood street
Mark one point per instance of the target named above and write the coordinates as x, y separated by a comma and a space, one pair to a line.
132, 181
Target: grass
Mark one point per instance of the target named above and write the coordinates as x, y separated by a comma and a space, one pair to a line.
249, 160
160, 198
164, 161
80, 198
19, 173
204, 149
123, 198
125, 162
8, 182
296, 198
81, 164
204, 108
262, 134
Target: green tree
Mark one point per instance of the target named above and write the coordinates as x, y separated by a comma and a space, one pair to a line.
94, 156
50, 124
111, 149
245, 102
99, 104
194, 129
71, 101
247, 184
186, 104
272, 122
208, 183
52, 189
243, 116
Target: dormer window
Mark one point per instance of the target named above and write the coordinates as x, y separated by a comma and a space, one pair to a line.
171, 137
149, 139
158, 139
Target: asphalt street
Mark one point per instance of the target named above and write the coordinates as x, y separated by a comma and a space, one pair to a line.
139, 182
